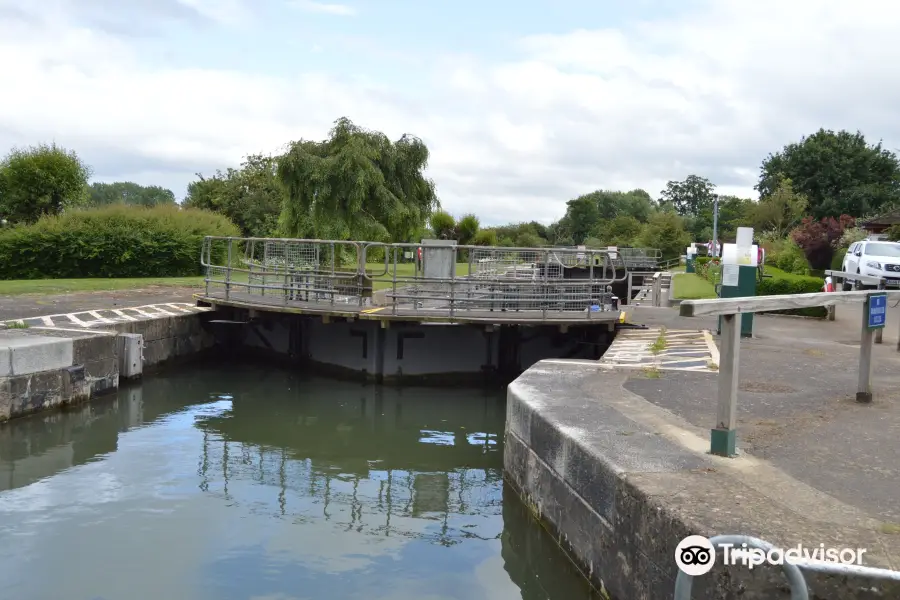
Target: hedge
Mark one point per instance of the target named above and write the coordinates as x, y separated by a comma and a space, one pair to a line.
112, 241
777, 284
788, 283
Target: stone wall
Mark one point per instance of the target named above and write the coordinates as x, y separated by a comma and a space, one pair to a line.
42, 368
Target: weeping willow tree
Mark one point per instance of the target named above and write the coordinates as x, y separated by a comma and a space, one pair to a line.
357, 184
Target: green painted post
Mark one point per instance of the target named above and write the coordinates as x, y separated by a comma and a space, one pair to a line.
746, 286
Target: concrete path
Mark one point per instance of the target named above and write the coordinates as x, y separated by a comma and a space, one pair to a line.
797, 405
107, 316
36, 305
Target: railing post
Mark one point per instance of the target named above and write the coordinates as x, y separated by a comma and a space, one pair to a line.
723, 438
863, 389
228, 270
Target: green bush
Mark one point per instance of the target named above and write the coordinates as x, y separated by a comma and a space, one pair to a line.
787, 283
791, 259
112, 241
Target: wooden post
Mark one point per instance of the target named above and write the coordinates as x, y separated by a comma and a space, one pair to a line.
863, 389
879, 333
723, 438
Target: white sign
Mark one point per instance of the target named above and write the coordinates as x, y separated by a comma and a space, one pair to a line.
730, 275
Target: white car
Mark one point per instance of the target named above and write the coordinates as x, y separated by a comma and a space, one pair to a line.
875, 259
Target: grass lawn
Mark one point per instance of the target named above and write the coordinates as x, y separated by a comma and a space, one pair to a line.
382, 279
98, 284
690, 286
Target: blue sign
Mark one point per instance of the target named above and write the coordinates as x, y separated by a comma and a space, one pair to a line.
877, 308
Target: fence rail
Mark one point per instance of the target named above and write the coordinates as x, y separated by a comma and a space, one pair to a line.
447, 279
723, 436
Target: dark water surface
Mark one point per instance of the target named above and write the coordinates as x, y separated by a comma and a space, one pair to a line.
240, 482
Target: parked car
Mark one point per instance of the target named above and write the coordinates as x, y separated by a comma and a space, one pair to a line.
875, 259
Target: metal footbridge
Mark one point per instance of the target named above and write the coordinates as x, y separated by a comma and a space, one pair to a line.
437, 281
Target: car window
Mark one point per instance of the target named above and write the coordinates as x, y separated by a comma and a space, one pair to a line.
883, 249
852, 248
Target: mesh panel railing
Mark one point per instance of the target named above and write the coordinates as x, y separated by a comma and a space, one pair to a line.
410, 277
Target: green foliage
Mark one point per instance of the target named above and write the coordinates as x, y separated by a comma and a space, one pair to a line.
790, 258
893, 233
840, 173
665, 231
443, 225
524, 235
466, 229
621, 230
780, 211
689, 197
356, 185
788, 283
126, 192
589, 215
251, 197
41, 180
112, 241
581, 215
485, 237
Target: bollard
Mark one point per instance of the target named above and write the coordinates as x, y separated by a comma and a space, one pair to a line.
829, 287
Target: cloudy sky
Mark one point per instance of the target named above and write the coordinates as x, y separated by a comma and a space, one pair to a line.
524, 104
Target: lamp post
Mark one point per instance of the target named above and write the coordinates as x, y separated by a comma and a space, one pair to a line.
715, 240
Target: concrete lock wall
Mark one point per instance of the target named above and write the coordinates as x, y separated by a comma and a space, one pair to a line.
400, 351
42, 368
613, 479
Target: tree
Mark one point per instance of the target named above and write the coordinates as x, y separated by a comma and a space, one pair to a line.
485, 237
734, 212
780, 211
582, 213
102, 194
356, 185
443, 225
665, 231
689, 197
252, 196
467, 229
819, 239
839, 173
43, 179
619, 231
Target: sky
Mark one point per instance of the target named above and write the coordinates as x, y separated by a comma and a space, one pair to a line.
523, 104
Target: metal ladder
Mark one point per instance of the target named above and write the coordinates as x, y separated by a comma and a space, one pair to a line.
792, 570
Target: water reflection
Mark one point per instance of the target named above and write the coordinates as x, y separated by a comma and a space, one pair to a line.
241, 482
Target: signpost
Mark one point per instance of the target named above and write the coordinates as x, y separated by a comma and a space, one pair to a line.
874, 318
876, 310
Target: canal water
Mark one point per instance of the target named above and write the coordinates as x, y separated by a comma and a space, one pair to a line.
241, 482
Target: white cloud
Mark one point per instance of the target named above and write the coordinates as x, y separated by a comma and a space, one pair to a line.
710, 93
322, 7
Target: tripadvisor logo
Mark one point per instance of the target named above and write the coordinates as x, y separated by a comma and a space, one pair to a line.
695, 555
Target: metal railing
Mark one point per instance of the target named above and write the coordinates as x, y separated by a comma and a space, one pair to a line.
448, 279
793, 569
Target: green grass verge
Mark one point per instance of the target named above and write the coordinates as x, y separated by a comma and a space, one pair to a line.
382, 279
690, 286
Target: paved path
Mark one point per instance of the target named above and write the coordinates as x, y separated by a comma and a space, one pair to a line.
35, 305
107, 316
684, 350
797, 405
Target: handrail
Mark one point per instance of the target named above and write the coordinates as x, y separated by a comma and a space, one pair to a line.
723, 438
311, 271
